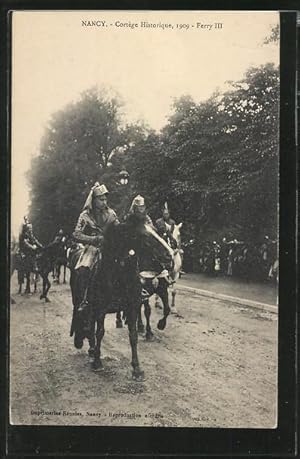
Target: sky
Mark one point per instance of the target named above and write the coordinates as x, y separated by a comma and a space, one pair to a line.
57, 55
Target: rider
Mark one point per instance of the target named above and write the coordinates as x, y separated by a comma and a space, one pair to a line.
165, 227
138, 213
59, 238
95, 217
28, 243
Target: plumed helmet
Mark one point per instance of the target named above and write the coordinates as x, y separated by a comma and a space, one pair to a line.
166, 208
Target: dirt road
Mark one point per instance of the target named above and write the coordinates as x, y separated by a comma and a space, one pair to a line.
215, 366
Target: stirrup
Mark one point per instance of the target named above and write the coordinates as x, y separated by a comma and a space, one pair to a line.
83, 306
145, 294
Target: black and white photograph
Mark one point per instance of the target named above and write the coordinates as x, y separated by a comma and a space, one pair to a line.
144, 219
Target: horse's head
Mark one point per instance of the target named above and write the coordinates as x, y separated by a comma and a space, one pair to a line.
133, 243
156, 247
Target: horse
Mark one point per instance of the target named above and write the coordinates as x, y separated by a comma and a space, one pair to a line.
61, 261
45, 260
158, 285
177, 266
115, 286
25, 266
15, 265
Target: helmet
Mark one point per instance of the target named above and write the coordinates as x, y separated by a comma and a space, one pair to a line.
99, 190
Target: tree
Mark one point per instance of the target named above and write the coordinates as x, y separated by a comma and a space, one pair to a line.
78, 148
224, 158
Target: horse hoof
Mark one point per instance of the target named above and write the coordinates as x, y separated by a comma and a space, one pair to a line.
138, 375
173, 310
41, 297
91, 353
141, 329
47, 300
149, 336
97, 365
78, 342
119, 324
161, 324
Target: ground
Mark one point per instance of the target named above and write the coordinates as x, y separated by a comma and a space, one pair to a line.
215, 365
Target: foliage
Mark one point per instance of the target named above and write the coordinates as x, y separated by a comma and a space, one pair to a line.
83, 143
274, 35
215, 162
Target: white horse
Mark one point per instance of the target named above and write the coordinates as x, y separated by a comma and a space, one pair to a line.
177, 266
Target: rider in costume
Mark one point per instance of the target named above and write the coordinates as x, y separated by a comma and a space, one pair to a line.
94, 219
138, 214
28, 243
59, 238
28, 246
165, 227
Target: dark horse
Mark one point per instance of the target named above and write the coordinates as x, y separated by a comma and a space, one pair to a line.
154, 283
45, 260
24, 265
115, 286
61, 261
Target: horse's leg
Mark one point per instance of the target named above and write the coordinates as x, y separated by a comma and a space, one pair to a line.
92, 341
27, 289
97, 364
137, 372
157, 302
163, 293
119, 323
42, 295
47, 287
20, 281
58, 273
173, 306
147, 310
140, 325
65, 271
35, 281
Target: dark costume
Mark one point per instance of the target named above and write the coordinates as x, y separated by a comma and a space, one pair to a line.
28, 244
137, 214
165, 230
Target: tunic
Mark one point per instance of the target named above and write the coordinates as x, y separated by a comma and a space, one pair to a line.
90, 231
